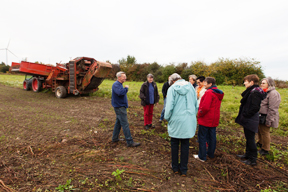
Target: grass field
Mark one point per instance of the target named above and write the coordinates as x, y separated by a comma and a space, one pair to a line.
229, 108
50, 143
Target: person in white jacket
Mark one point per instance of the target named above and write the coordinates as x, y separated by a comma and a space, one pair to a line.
200, 89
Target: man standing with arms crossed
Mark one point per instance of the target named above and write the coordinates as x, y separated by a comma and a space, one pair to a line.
120, 103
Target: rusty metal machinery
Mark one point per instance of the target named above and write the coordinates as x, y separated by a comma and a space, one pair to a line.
81, 75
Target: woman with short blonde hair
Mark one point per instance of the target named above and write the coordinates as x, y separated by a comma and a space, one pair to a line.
192, 80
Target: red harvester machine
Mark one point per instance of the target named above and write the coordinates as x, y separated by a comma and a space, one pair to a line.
81, 75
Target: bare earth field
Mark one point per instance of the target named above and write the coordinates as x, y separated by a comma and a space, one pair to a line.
48, 143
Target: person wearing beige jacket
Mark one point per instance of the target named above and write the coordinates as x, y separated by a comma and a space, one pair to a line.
269, 108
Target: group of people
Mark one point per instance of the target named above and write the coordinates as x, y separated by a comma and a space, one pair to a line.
258, 112
199, 101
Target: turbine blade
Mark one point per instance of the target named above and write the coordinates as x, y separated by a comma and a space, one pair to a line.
3, 49
12, 53
8, 43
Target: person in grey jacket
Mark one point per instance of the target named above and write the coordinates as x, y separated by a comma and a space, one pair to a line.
269, 109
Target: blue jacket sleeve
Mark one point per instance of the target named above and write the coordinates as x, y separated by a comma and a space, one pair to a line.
119, 90
195, 100
169, 104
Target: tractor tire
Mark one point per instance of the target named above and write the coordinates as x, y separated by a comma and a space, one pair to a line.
27, 85
60, 92
36, 84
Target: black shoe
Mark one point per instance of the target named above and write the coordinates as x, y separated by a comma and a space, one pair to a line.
147, 127
133, 144
117, 140
250, 162
242, 156
259, 144
176, 172
183, 174
153, 126
263, 152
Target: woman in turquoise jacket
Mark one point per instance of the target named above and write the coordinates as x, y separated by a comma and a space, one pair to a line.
180, 112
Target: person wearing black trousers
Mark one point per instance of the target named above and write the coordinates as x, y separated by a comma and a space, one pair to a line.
164, 92
248, 116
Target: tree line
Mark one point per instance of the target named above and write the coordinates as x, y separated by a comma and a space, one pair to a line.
225, 71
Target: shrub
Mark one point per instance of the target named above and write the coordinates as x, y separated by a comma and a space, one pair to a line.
4, 68
232, 72
225, 71
281, 83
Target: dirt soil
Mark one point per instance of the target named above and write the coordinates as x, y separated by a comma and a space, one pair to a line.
45, 141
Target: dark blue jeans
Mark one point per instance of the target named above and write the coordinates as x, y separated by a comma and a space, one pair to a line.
121, 121
163, 110
206, 134
184, 154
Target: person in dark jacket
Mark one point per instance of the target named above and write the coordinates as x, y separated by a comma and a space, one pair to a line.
120, 103
208, 118
248, 116
164, 92
149, 96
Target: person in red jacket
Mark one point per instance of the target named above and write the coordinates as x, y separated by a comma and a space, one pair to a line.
208, 118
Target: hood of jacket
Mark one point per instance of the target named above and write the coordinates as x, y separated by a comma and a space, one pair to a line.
181, 87
217, 92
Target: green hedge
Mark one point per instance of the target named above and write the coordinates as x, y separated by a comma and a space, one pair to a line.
226, 71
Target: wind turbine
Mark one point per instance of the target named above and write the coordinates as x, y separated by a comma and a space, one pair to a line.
7, 52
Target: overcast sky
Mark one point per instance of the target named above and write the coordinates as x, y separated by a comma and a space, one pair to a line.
163, 31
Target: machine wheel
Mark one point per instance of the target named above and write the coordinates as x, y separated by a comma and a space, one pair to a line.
60, 92
27, 85
36, 84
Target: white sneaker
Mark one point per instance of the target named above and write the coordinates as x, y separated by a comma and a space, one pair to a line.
197, 157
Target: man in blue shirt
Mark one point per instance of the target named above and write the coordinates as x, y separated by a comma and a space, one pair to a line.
120, 103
